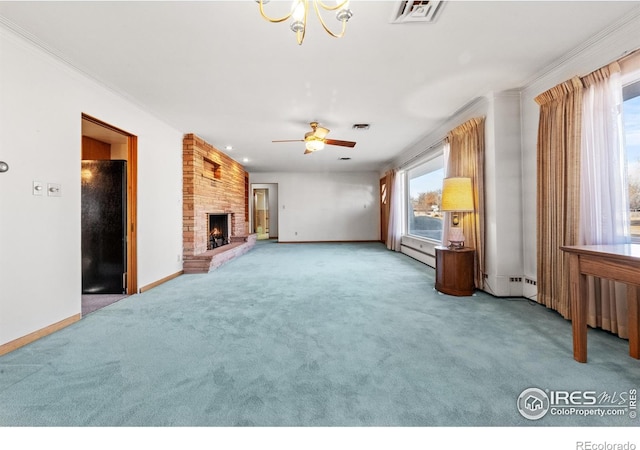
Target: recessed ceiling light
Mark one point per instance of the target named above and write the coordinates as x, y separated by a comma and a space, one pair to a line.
344, 158
245, 159
228, 147
360, 126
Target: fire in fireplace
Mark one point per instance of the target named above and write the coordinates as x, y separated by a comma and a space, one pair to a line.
218, 230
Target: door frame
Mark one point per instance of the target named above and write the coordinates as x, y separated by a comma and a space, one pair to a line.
265, 192
274, 202
131, 285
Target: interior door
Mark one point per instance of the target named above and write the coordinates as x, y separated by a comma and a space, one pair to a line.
384, 209
104, 216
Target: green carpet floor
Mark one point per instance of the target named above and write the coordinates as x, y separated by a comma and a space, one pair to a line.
308, 335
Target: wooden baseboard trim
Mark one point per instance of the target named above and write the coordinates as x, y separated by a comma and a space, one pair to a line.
159, 282
31, 337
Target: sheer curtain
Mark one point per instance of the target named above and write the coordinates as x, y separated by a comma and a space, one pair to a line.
446, 216
604, 201
558, 192
466, 159
394, 230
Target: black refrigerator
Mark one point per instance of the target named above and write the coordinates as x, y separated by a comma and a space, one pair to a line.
104, 218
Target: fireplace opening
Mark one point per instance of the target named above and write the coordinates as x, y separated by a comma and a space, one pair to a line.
218, 230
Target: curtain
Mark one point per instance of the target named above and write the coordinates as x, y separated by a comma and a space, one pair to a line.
466, 159
558, 162
446, 216
604, 200
394, 230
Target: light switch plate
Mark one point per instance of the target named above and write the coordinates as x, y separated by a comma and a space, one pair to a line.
37, 188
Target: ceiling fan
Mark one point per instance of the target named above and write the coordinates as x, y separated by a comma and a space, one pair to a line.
317, 138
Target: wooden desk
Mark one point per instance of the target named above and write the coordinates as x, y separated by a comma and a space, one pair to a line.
614, 262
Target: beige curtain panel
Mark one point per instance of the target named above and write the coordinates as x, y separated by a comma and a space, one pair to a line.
393, 211
466, 159
558, 190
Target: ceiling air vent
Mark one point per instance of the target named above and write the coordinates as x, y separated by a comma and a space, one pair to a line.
417, 11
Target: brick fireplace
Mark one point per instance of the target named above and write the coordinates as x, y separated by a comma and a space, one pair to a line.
213, 184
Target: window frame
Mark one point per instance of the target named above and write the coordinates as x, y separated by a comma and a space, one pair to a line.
426, 165
630, 89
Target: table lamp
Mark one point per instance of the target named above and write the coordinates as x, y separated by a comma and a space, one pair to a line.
457, 197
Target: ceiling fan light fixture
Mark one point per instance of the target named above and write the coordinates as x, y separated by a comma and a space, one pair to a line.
315, 139
314, 145
321, 132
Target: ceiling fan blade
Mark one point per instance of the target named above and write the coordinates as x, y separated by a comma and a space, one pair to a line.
290, 140
320, 132
340, 143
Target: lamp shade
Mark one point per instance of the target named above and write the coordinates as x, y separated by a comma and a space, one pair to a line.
457, 194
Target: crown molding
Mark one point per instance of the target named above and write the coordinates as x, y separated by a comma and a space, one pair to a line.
618, 31
28, 38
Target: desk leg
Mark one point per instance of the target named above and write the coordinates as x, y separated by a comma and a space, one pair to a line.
633, 304
577, 292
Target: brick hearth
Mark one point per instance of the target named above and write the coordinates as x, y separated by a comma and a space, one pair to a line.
212, 259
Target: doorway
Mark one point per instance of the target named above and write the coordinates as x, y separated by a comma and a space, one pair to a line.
261, 213
109, 194
264, 210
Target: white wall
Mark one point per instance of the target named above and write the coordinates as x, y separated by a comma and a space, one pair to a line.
611, 45
340, 206
503, 198
41, 102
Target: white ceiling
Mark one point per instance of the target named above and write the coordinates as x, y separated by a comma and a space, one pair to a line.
217, 69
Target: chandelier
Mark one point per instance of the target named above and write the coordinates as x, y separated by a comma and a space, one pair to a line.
300, 10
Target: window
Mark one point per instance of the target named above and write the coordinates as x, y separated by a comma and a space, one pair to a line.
424, 184
631, 125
